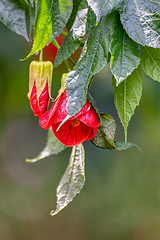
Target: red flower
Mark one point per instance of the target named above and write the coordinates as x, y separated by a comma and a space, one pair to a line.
83, 126
39, 105
40, 77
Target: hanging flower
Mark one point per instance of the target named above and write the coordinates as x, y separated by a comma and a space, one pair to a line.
40, 77
83, 126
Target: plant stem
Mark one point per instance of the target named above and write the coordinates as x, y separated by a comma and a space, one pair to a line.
67, 65
125, 131
56, 44
64, 33
41, 56
72, 61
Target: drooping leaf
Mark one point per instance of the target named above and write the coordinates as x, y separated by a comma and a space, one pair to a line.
51, 18
124, 145
53, 146
141, 20
73, 179
93, 58
12, 14
105, 135
151, 62
103, 7
125, 53
127, 96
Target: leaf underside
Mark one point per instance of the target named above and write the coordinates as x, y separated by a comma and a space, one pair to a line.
73, 179
124, 145
12, 14
53, 146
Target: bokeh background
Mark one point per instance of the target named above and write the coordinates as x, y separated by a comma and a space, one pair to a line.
121, 197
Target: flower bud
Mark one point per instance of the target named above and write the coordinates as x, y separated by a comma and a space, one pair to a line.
40, 78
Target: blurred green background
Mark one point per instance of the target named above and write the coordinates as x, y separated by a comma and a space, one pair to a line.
121, 197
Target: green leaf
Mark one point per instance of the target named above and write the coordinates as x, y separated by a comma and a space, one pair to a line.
68, 47
155, 1
31, 17
73, 14
32, 2
124, 145
151, 62
53, 146
103, 7
141, 20
125, 53
82, 24
12, 14
85, 19
93, 58
73, 179
105, 135
51, 18
127, 96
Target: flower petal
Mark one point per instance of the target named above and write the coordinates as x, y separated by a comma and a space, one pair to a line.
70, 135
90, 118
40, 105
92, 134
48, 118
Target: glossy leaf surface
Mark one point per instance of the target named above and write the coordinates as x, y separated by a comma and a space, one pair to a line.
141, 20
103, 7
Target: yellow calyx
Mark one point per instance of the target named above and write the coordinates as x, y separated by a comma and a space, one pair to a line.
40, 73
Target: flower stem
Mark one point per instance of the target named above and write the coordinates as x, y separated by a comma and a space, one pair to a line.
41, 56
64, 33
56, 44
125, 131
72, 61
67, 65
